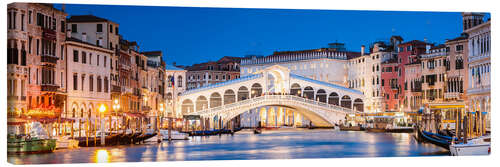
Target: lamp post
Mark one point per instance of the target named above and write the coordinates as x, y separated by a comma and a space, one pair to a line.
102, 109
116, 107
159, 118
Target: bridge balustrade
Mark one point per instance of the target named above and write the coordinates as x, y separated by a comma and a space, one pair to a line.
262, 99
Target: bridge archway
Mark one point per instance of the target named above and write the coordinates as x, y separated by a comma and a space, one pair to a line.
256, 90
358, 105
201, 103
321, 95
345, 101
295, 89
215, 100
333, 99
229, 97
309, 92
242, 93
187, 106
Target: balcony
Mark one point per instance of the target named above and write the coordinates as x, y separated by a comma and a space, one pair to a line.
17, 69
49, 87
49, 59
49, 34
452, 95
115, 89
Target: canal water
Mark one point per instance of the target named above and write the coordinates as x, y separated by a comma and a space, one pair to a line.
269, 145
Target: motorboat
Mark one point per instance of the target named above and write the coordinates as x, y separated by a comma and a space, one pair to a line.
476, 146
64, 142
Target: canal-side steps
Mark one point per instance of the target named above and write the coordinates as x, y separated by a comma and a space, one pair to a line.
114, 139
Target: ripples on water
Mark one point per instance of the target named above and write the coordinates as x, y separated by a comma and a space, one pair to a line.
274, 145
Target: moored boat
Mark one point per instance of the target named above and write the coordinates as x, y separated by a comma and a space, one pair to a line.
435, 139
36, 141
176, 135
66, 143
400, 130
375, 130
28, 145
477, 146
351, 128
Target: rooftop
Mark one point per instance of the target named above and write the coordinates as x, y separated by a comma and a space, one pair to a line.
173, 68
152, 53
85, 18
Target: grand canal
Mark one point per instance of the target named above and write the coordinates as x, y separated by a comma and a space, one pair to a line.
269, 145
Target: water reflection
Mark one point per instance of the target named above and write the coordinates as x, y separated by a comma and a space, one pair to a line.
101, 156
282, 145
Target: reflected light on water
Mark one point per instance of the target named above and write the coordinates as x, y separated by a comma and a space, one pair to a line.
102, 156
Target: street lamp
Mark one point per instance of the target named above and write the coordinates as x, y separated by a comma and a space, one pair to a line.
102, 109
116, 107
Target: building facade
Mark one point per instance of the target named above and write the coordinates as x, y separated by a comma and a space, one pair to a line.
456, 72
176, 84
35, 60
88, 73
434, 74
479, 66
203, 74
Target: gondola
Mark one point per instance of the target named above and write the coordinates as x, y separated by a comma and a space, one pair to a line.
436, 139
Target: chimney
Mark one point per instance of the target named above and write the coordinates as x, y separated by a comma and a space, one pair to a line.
362, 50
427, 48
175, 64
84, 36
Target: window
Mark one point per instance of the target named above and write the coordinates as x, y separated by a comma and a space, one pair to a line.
37, 46
179, 81
99, 27
62, 80
105, 60
91, 83
30, 39
106, 84
62, 52
84, 57
75, 81
97, 60
459, 64
74, 28
111, 28
63, 25
83, 81
383, 82
99, 84
116, 30
75, 56
22, 22
30, 13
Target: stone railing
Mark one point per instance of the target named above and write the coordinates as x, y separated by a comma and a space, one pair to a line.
451, 95
270, 100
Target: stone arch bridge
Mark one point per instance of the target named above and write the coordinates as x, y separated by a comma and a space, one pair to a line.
323, 103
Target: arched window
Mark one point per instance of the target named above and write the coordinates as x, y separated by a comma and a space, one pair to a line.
169, 80
179, 81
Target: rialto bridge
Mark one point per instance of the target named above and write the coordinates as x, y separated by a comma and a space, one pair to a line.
324, 104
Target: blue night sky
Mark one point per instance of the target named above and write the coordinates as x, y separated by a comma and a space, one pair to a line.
194, 35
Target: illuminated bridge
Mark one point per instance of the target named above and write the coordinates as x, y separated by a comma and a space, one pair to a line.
324, 104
